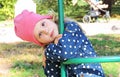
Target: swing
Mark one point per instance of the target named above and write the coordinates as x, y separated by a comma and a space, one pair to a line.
104, 59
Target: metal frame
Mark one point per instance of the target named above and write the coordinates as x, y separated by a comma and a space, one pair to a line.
103, 59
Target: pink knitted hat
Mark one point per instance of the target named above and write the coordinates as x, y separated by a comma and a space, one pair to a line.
25, 23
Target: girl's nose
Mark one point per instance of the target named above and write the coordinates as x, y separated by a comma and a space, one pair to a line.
45, 31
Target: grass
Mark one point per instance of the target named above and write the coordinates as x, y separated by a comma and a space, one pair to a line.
27, 69
25, 58
108, 45
111, 69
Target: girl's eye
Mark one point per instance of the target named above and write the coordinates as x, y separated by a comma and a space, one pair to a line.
40, 34
43, 24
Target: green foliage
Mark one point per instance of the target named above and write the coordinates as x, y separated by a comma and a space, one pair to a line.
43, 6
111, 69
77, 10
82, 3
115, 9
117, 2
70, 10
27, 69
106, 45
7, 9
26, 57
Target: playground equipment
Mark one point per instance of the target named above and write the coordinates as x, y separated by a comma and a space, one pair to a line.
103, 59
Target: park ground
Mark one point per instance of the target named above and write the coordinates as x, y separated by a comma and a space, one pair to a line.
7, 36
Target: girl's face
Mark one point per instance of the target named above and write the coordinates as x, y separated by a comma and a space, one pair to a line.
45, 31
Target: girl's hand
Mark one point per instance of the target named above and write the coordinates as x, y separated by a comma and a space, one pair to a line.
57, 38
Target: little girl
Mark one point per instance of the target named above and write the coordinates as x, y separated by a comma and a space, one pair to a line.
73, 43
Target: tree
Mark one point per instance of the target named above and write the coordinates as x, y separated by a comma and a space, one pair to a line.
110, 3
71, 10
7, 9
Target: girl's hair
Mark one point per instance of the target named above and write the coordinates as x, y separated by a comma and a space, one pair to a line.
66, 19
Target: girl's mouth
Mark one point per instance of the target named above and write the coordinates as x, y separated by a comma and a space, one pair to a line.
51, 34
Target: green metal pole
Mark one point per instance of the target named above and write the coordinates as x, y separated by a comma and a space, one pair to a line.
63, 71
61, 16
103, 59
61, 29
93, 60
79, 60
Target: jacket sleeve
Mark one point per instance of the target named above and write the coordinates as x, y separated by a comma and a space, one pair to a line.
67, 46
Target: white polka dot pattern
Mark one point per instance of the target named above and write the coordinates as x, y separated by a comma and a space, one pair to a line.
73, 44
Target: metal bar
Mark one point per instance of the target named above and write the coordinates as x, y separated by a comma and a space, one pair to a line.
79, 60
61, 16
63, 71
93, 60
104, 59
61, 29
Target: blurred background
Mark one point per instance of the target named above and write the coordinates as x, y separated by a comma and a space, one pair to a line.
19, 58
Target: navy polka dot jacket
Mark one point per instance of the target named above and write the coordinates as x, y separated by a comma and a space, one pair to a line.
73, 44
